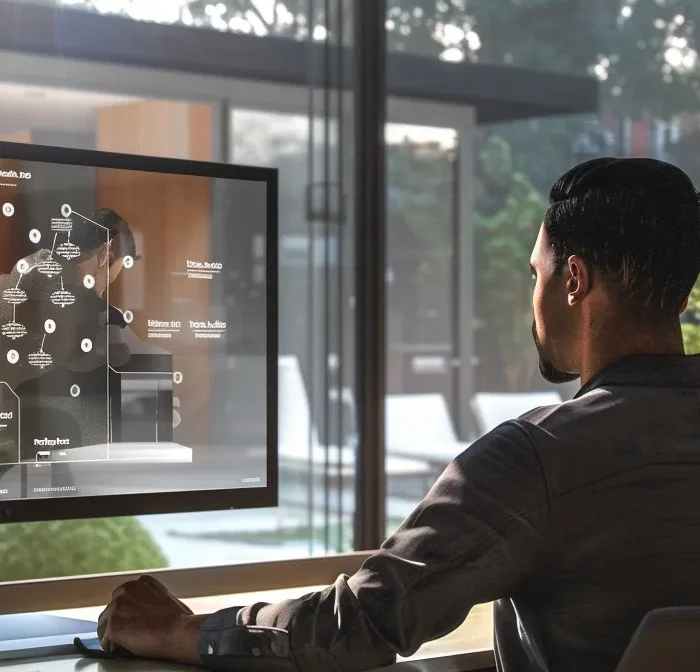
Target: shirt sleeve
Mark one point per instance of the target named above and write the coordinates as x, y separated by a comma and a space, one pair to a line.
476, 537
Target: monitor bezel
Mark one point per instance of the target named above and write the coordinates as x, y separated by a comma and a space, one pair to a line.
107, 506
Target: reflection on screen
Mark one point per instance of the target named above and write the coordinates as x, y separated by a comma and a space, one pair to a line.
132, 331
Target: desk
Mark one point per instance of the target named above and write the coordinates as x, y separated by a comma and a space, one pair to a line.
468, 648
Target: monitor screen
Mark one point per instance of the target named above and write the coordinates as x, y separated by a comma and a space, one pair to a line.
138, 351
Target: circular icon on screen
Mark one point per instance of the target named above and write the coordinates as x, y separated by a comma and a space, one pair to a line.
49, 326
177, 377
89, 281
86, 345
128, 262
8, 209
35, 235
66, 210
12, 356
74, 391
22, 266
128, 316
177, 419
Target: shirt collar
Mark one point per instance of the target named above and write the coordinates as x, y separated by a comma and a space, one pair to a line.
681, 371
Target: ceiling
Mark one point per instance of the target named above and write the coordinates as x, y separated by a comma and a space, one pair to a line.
495, 93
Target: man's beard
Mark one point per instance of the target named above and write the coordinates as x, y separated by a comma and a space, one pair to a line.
547, 370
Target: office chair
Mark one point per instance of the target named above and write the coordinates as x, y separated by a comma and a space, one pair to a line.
666, 639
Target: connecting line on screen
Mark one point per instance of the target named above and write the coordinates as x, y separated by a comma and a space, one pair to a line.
145, 373
53, 247
87, 219
109, 405
103, 460
141, 373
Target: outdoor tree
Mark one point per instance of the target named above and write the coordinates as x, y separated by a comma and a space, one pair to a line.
420, 178
504, 239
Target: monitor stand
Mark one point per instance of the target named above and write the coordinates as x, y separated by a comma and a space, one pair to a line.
24, 636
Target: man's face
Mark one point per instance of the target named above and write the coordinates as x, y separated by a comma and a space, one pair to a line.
553, 328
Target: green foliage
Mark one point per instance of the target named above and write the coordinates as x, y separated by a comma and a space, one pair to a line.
691, 323
420, 176
624, 42
76, 547
691, 338
505, 240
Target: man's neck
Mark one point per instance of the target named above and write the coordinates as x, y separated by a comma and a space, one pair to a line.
630, 341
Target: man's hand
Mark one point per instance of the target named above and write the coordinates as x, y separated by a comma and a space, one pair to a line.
149, 622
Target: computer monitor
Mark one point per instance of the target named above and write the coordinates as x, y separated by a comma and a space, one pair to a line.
138, 335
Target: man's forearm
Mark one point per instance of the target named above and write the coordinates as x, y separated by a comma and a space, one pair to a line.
479, 529
228, 642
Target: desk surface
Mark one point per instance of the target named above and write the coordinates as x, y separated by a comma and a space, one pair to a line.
470, 647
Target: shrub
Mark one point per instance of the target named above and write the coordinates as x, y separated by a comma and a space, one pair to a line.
76, 547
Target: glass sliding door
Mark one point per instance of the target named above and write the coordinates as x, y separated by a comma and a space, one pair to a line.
422, 312
309, 139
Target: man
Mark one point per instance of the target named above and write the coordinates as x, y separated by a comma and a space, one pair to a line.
105, 241
67, 289
63, 307
576, 519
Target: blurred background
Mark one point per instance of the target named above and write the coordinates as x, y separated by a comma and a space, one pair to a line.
487, 104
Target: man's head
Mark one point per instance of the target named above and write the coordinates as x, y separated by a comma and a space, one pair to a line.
618, 253
104, 241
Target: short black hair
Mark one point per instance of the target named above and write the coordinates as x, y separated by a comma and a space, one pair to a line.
636, 222
90, 237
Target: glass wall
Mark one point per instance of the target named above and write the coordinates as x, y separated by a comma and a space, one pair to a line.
300, 135
644, 55
317, 424
464, 205
421, 310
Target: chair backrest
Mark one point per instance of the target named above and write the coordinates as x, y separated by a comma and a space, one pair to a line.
494, 408
667, 639
413, 419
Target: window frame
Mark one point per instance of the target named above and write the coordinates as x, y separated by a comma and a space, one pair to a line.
89, 591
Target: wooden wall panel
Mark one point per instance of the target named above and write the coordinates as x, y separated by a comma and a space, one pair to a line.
149, 128
18, 136
171, 214
9, 248
11, 227
200, 125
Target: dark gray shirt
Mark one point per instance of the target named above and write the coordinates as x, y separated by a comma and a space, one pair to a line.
577, 519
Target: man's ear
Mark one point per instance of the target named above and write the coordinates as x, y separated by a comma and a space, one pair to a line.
684, 306
579, 283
